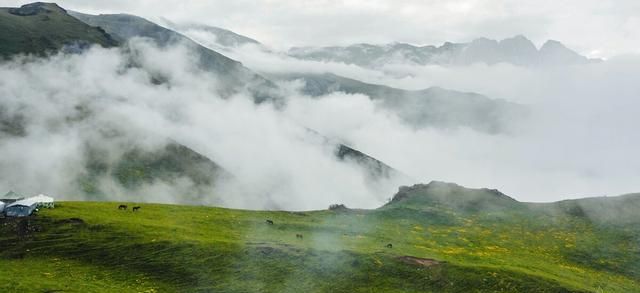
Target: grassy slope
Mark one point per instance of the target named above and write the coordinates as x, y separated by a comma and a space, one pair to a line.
136, 168
42, 28
184, 248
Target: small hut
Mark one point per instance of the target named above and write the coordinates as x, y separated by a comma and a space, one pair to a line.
2, 204
21, 208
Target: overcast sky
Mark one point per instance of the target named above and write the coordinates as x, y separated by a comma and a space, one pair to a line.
597, 28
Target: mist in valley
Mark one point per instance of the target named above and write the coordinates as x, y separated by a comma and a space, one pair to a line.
60, 112
111, 99
575, 143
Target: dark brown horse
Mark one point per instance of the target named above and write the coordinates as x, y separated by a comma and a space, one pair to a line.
122, 207
299, 236
269, 222
135, 209
389, 245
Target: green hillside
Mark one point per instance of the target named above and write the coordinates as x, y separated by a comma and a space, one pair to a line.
38, 28
137, 168
445, 238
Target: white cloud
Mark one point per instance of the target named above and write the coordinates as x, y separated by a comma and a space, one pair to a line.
276, 161
578, 143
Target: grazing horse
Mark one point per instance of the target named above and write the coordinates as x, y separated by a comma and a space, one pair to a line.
135, 209
299, 236
389, 245
122, 207
269, 222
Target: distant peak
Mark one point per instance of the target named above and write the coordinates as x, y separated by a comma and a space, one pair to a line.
484, 40
519, 39
36, 8
553, 44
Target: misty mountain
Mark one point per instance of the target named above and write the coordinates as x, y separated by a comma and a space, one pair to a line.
432, 107
125, 27
115, 159
375, 169
38, 28
136, 168
517, 50
41, 28
118, 160
218, 38
232, 74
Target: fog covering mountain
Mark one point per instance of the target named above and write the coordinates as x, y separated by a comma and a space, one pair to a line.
432, 107
562, 148
224, 40
103, 154
113, 158
517, 50
125, 27
160, 104
231, 73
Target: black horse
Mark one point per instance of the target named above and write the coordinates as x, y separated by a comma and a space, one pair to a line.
269, 222
299, 236
389, 245
122, 207
135, 209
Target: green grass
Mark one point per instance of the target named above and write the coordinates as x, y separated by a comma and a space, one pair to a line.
168, 248
47, 29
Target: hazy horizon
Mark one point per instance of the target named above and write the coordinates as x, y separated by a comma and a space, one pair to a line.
598, 29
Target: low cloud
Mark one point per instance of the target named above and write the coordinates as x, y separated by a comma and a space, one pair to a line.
579, 140
69, 101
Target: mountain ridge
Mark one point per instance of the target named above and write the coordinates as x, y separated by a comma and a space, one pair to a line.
517, 50
430, 107
233, 74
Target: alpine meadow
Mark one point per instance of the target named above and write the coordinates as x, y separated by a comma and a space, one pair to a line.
319, 146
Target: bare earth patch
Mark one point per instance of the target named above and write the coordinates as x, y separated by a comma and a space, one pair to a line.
425, 262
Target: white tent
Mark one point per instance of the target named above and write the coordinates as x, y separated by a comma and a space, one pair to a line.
21, 208
43, 201
1, 207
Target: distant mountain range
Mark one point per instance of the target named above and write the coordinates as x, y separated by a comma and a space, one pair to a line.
45, 28
42, 28
517, 51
